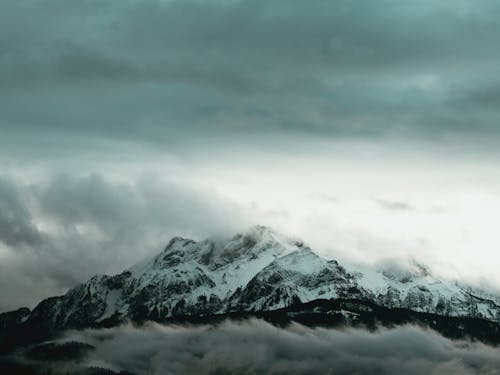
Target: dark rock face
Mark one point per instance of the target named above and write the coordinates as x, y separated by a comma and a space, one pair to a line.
13, 317
259, 271
55, 358
59, 351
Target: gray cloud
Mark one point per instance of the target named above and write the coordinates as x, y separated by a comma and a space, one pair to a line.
170, 72
58, 233
258, 348
16, 226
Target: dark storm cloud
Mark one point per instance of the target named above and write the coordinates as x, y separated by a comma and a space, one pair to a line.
56, 234
168, 72
16, 226
259, 348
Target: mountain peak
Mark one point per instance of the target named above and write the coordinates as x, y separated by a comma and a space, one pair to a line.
265, 233
258, 242
257, 270
251, 244
255, 233
176, 241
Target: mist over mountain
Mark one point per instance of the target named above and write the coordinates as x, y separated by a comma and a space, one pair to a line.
229, 281
140, 140
260, 289
156, 349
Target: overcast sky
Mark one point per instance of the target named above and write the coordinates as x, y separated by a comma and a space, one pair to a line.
369, 129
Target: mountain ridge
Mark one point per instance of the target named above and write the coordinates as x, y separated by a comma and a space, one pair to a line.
257, 271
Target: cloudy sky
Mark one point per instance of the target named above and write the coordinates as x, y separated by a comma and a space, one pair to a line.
369, 129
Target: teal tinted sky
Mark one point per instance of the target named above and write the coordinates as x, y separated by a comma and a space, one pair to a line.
369, 128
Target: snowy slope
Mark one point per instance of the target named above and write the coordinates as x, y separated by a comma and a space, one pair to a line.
259, 270
417, 289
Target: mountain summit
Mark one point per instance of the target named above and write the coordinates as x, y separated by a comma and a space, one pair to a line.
254, 272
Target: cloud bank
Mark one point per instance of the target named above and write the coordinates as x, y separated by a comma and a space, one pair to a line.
257, 347
56, 234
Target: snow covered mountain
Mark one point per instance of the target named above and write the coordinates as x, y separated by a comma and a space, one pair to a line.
257, 271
